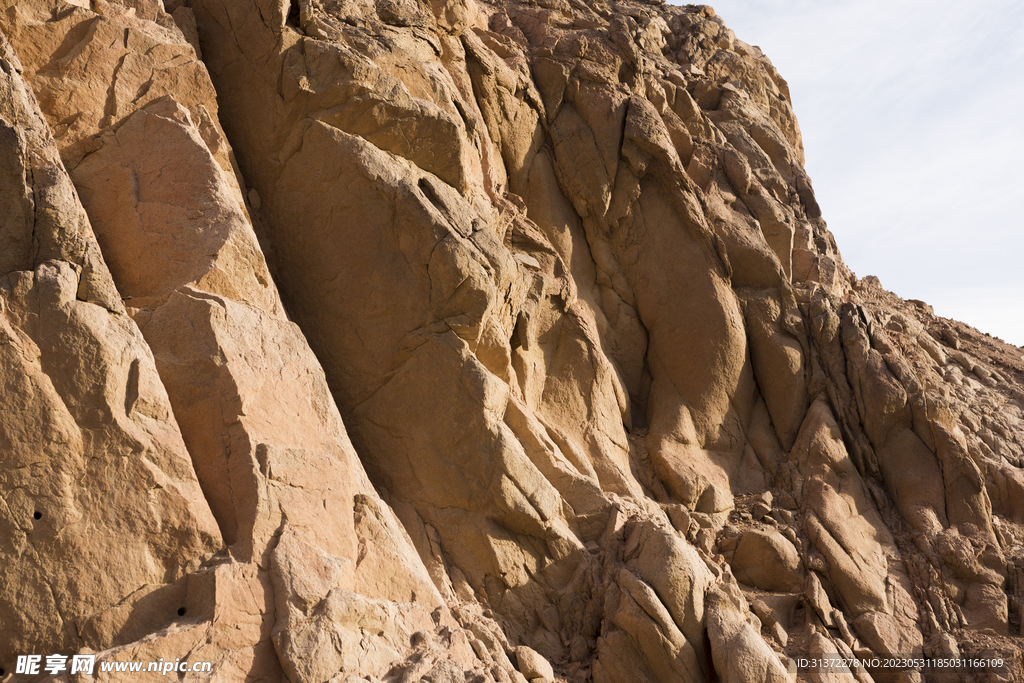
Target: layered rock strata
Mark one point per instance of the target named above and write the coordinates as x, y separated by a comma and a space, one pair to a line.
459, 341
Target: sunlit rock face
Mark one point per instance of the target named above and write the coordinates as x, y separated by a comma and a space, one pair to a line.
455, 341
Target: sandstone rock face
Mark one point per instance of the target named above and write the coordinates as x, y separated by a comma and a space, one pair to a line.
95, 471
467, 341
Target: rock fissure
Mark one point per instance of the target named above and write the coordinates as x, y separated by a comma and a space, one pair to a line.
663, 434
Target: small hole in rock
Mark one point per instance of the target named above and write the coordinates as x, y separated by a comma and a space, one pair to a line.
2, 671
37, 515
181, 611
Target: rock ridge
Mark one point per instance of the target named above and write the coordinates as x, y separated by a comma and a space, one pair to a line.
467, 340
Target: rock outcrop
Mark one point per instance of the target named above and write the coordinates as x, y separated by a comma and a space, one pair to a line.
467, 341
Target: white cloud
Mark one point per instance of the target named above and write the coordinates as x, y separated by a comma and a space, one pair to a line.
911, 117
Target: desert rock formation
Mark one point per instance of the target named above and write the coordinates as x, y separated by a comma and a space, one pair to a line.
459, 341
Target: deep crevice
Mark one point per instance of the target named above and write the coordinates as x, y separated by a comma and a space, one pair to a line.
293, 18
131, 393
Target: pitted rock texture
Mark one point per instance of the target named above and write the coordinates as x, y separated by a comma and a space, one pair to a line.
467, 341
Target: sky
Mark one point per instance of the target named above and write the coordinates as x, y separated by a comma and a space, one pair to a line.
912, 115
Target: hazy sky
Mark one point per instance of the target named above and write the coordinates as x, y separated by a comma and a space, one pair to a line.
912, 114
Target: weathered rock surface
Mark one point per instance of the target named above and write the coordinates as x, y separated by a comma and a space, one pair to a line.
466, 341
95, 472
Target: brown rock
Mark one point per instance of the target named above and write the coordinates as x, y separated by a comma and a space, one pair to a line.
93, 463
836, 667
532, 665
888, 635
556, 269
738, 651
167, 215
767, 560
818, 599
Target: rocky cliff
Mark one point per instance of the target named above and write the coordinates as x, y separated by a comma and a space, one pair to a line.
457, 340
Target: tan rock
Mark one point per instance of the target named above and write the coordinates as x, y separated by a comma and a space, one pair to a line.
985, 607
186, 222
532, 665
778, 364
94, 467
818, 599
659, 642
738, 652
908, 467
842, 522
836, 666
108, 54
888, 635
676, 573
167, 215
767, 560
560, 270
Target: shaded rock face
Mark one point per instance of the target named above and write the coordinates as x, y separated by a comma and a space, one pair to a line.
458, 341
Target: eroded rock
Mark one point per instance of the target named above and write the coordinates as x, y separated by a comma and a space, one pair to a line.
512, 346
